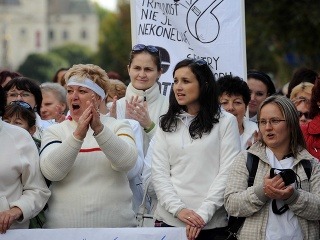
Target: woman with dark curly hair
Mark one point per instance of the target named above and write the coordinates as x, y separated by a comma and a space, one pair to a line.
234, 95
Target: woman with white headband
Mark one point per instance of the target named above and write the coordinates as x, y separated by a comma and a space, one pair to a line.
87, 157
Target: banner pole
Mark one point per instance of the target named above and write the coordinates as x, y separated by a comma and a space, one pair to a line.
133, 22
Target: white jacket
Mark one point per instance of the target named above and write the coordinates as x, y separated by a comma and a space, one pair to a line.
21, 182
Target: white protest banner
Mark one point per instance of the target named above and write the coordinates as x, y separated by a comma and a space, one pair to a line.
210, 29
97, 234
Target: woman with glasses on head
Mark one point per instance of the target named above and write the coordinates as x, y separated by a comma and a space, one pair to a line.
276, 206
87, 158
261, 86
301, 96
23, 191
21, 114
311, 130
193, 151
27, 90
143, 103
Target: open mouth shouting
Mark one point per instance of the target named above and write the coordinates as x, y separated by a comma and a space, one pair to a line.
75, 108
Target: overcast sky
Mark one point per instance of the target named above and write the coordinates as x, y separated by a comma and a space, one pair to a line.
109, 4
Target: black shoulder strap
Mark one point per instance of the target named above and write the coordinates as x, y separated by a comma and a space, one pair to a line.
307, 167
49, 143
252, 166
235, 223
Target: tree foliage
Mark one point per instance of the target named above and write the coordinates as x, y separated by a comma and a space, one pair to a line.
42, 67
282, 35
115, 39
74, 53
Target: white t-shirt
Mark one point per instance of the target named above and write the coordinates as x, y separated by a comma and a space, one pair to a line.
285, 226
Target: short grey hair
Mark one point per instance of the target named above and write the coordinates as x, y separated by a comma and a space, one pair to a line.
59, 91
291, 116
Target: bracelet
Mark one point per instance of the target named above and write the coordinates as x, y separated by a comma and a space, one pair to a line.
150, 128
96, 133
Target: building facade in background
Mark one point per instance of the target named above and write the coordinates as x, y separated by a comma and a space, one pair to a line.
36, 26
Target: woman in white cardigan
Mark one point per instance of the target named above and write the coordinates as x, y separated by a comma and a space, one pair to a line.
194, 148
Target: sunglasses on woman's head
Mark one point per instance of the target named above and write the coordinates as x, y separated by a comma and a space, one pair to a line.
200, 62
142, 47
21, 104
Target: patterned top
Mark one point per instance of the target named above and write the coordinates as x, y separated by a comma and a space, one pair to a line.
250, 202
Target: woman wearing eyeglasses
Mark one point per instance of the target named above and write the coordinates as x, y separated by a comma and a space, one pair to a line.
87, 158
143, 103
276, 207
27, 90
300, 96
194, 148
311, 130
23, 191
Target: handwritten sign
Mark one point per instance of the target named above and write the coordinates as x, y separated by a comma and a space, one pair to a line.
97, 234
213, 30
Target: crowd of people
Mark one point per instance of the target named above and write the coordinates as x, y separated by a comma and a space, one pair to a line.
83, 150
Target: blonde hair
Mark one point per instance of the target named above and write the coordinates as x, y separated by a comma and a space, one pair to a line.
91, 71
117, 88
302, 87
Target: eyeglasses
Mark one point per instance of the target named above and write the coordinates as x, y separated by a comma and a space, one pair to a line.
21, 104
272, 122
141, 47
22, 94
305, 114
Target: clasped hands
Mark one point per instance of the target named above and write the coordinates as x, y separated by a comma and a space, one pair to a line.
90, 117
275, 188
194, 222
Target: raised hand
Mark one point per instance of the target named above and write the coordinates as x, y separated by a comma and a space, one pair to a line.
113, 109
95, 122
138, 111
59, 116
84, 122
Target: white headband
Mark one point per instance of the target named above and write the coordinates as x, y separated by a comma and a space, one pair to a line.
88, 83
